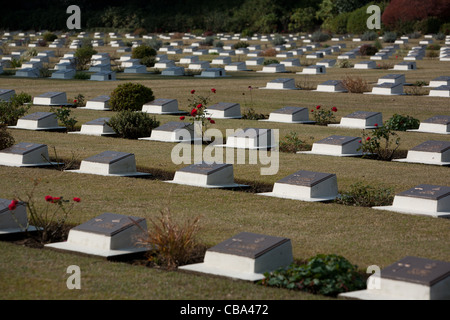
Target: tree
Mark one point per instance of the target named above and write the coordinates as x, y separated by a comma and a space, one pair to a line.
302, 19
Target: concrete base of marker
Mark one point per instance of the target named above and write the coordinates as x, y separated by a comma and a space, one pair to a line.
243, 268
125, 168
415, 206
433, 158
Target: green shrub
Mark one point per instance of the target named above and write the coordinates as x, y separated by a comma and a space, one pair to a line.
241, 44
148, 61
390, 37
344, 63
270, 61
319, 36
323, 117
278, 40
218, 44
49, 37
154, 43
445, 28
251, 114
209, 41
130, 96
339, 23
357, 21
6, 139
402, 123
133, 124
63, 115
381, 144
11, 111
143, 51
83, 57
367, 50
369, 36
440, 36
82, 76
323, 274
365, 195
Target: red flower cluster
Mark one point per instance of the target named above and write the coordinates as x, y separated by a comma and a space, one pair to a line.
57, 199
76, 199
334, 109
376, 125
192, 91
182, 117
318, 107
213, 90
13, 205
368, 138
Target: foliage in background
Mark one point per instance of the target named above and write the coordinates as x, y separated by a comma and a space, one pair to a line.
366, 195
83, 56
133, 124
130, 96
367, 50
402, 123
323, 274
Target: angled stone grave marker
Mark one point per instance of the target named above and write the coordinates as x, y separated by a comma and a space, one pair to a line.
440, 81
286, 54
306, 186
173, 71
64, 74
250, 138
314, 69
327, 63
213, 73
393, 78
429, 152
136, 69
200, 65
189, 59
346, 56
207, 175
38, 121
365, 65
387, 89
315, 55
246, 256
255, 61
173, 131
26, 154
411, 278
162, 106
15, 221
6, 94
290, 115
224, 110
237, 66
331, 86
107, 235
100, 103
339, 146
97, 127
281, 84
51, 99
104, 76
101, 68
424, 199
273, 68
441, 91
293, 62
437, 124
110, 163
164, 64
221, 61
28, 73
361, 120
406, 66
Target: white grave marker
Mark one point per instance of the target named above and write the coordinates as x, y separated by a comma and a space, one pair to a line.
38, 121
97, 127
26, 154
290, 115
339, 146
51, 99
361, 120
162, 106
437, 124
429, 152
224, 110
173, 131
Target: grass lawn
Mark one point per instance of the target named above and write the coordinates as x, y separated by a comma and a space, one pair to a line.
362, 235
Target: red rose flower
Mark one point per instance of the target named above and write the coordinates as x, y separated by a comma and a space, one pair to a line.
360, 141
48, 198
12, 206
212, 121
208, 119
376, 124
76, 199
312, 110
199, 106
182, 117
368, 138
192, 91
56, 199
318, 107
75, 101
213, 90
194, 112
334, 109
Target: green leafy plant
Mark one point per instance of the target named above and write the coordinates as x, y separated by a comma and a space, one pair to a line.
241, 44
132, 124
292, 143
323, 116
143, 51
49, 37
382, 143
130, 96
270, 61
344, 63
251, 114
78, 101
83, 57
323, 274
402, 123
390, 37
367, 50
63, 115
6, 139
366, 195
197, 105
11, 111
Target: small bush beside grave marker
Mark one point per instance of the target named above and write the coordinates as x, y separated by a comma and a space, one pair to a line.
366, 195
132, 125
130, 96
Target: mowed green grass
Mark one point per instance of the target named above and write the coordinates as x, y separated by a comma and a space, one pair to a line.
363, 235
